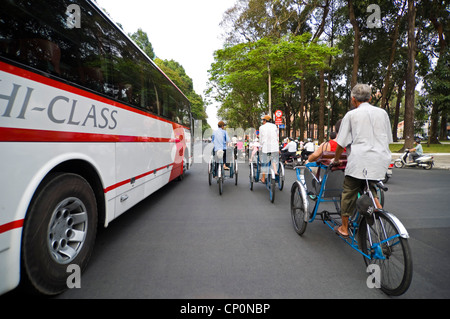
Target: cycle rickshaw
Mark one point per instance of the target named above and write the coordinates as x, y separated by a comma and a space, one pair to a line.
216, 169
376, 234
274, 178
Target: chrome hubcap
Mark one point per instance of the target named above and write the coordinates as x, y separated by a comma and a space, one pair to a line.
67, 230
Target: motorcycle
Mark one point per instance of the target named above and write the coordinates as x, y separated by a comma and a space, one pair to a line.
388, 173
294, 160
424, 161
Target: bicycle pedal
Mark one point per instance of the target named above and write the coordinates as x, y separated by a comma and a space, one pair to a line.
325, 216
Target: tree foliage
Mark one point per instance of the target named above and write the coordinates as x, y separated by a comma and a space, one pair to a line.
274, 36
239, 76
141, 39
177, 74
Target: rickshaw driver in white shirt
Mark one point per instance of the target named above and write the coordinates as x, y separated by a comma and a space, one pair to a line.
269, 140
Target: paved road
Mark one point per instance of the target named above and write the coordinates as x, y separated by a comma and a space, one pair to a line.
186, 241
421, 199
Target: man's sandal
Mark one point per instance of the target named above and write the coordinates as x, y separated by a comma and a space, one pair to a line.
338, 232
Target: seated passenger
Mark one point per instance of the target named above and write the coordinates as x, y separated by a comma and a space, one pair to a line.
326, 146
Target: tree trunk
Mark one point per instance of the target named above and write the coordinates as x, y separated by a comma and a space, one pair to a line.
435, 130
287, 116
433, 137
302, 109
391, 60
410, 77
321, 106
397, 110
354, 79
443, 132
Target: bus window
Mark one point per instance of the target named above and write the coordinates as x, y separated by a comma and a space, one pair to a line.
97, 56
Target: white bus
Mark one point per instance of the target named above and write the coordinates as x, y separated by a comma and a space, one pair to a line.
89, 126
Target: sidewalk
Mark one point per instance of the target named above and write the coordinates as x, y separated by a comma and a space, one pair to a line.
441, 160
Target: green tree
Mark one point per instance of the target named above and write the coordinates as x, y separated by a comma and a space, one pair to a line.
240, 73
252, 20
177, 74
141, 39
392, 57
437, 86
435, 16
237, 82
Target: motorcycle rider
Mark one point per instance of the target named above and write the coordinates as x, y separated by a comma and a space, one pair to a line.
289, 150
415, 152
308, 149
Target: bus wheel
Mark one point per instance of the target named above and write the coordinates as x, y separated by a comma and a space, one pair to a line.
59, 231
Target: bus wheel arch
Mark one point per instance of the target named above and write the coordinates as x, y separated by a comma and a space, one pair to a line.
91, 175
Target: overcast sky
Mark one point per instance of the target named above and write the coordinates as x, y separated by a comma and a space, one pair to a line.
186, 31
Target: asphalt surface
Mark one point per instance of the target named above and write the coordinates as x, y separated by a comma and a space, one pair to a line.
188, 242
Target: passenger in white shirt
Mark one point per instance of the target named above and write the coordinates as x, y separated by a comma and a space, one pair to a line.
309, 146
269, 140
366, 132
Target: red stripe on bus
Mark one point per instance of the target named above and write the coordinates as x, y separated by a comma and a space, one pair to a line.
117, 185
8, 134
10, 226
71, 89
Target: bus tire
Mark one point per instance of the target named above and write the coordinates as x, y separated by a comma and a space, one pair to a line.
59, 231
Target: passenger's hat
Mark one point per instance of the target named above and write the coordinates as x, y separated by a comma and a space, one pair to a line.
266, 117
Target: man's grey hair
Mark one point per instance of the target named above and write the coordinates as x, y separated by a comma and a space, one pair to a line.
362, 92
